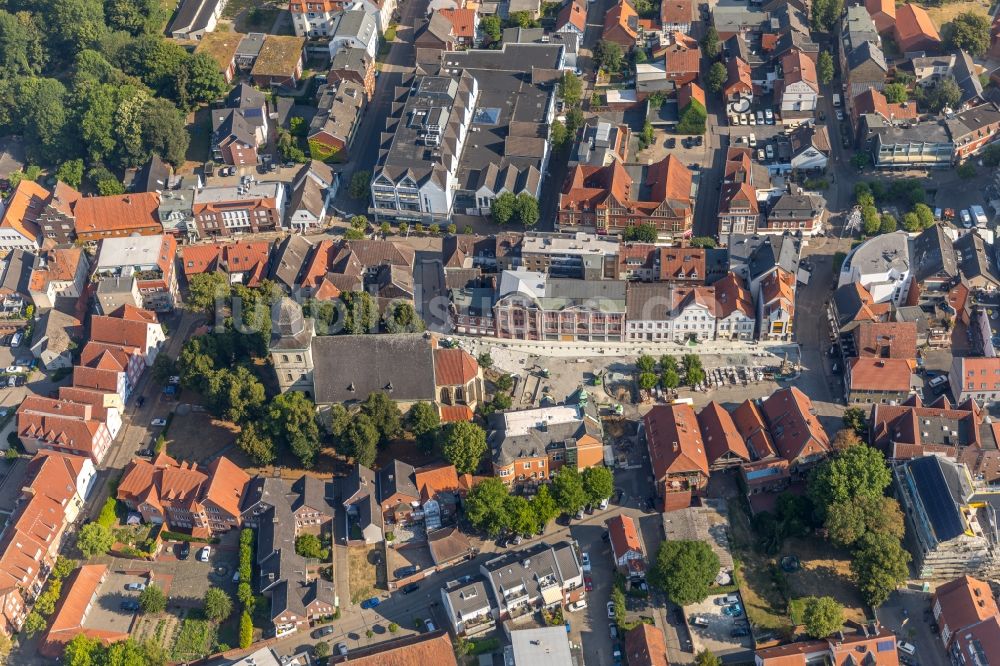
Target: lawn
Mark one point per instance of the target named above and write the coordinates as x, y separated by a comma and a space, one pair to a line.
762, 597
364, 572
948, 11
195, 639
826, 571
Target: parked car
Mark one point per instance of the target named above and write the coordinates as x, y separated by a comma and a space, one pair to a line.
699, 621
140, 401
429, 625
753, 140
371, 602
410, 588
769, 149
611, 610
966, 222
135, 587
728, 600
769, 116
323, 631
16, 340
840, 114
403, 572
577, 605
16, 369
204, 553
760, 155
906, 648
760, 117
130, 605
183, 550
342, 649
937, 381
739, 632
588, 583
158, 423
585, 562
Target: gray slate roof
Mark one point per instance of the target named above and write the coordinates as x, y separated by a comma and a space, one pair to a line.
396, 477
932, 254
350, 367
289, 260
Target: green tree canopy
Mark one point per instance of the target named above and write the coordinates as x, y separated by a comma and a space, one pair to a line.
218, 604
94, 539
291, 419
568, 490
716, 77
256, 443
423, 421
385, 415
642, 233
969, 32
710, 44
707, 658
486, 506
598, 483
879, 566
895, 93
943, 92
824, 67
684, 570
859, 471
570, 88
402, 317
152, 600
491, 27
544, 506
361, 438
609, 56
503, 208
463, 444
521, 516
822, 616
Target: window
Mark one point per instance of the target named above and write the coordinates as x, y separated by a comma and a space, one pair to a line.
527, 465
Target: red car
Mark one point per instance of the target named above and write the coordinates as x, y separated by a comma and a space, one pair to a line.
588, 584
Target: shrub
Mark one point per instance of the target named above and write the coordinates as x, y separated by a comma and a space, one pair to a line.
108, 513
246, 630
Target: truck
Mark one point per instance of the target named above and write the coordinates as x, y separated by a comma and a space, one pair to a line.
836, 100
978, 216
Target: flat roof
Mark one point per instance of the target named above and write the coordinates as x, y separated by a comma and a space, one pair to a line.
546, 645
521, 423
578, 243
255, 190
129, 251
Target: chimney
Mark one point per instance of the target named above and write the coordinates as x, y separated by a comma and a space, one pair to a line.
676, 446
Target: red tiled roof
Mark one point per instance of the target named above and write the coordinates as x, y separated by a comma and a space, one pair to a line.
572, 13
914, 25
749, 422
624, 535
69, 619
434, 649
454, 367
963, 602
455, 413
891, 339
226, 483
620, 17
873, 101
880, 374
463, 21
674, 441
731, 294
981, 638
646, 646
793, 425
123, 212
676, 12
719, 433
23, 208
681, 59
798, 67
433, 479
119, 331
239, 257
688, 92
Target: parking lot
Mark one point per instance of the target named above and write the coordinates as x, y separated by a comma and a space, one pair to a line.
107, 614
718, 635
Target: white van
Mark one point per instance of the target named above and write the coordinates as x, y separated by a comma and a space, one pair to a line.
907, 648
978, 216
836, 100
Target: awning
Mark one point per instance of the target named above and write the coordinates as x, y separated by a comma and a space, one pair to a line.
552, 595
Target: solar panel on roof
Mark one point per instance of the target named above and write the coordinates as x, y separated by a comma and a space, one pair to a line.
885, 646
487, 116
936, 498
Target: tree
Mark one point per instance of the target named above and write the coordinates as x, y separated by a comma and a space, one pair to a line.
384, 414
822, 616
360, 182
491, 27
694, 372
943, 92
152, 600
309, 545
360, 313
204, 80
43, 117
825, 14
824, 67
94, 539
254, 441
423, 421
871, 221
642, 233
361, 439
598, 483
859, 471
647, 136
567, 489
291, 419
924, 214
485, 360
64, 566
684, 570
522, 19
521, 515
503, 208
845, 439
847, 522
645, 363
609, 56
710, 43
486, 506
23, 52
692, 119
34, 623
527, 209
856, 419
895, 93
707, 658
911, 222
71, 173
716, 77
558, 135
648, 380
218, 605
463, 444
163, 132
246, 630
888, 223
544, 506
570, 88
969, 32
618, 604
879, 566
322, 650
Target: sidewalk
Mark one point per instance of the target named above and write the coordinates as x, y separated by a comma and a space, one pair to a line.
475, 345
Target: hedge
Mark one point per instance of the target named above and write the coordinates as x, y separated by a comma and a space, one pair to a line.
177, 536
108, 513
